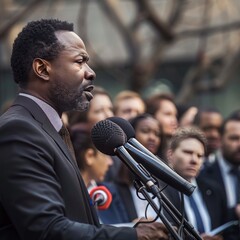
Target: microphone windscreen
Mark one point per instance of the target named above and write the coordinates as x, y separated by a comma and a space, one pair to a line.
125, 125
106, 136
102, 190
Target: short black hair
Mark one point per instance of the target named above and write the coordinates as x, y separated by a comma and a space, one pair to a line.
36, 40
202, 110
135, 121
233, 117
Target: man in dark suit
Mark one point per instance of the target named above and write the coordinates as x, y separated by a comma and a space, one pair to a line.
226, 169
205, 208
42, 194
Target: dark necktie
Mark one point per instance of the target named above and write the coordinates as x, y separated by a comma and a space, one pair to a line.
92, 217
200, 226
64, 133
236, 173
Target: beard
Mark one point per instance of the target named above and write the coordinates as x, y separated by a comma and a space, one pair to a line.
66, 99
233, 157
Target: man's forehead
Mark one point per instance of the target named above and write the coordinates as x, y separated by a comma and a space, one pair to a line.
232, 126
190, 140
70, 39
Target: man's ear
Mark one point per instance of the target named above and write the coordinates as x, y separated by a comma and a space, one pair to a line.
41, 68
89, 156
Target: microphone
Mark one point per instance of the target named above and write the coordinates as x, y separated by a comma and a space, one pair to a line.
151, 162
109, 138
101, 197
130, 133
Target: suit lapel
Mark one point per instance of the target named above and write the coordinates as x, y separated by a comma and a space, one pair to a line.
215, 172
207, 195
41, 117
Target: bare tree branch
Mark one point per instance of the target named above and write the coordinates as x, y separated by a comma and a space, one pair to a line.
145, 70
188, 86
95, 59
130, 41
28, 8
229, 68
209, 30
194, 81
176, 12
162, 28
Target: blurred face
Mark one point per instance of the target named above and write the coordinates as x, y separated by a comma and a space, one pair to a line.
167, 117
231, 142
70, 77
100, 109
148, 134
100, 166
210, 124
187, 158
130, 108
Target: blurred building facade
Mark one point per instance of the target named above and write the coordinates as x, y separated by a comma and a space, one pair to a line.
105, 26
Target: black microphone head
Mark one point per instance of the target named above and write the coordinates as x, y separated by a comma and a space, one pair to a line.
107, 136
124, 125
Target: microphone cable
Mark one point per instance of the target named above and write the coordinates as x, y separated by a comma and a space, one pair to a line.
148, 204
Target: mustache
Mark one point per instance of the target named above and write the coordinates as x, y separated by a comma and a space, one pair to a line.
237, 151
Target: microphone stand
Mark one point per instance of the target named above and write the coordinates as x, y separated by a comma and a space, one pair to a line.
142, 189
145, 180
168, 206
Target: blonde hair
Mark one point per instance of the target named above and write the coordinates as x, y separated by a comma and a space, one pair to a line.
123, 95
184, 133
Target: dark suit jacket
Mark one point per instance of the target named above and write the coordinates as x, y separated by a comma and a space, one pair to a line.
213, 173
42, 194
214, 200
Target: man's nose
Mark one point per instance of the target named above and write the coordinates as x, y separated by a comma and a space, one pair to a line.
108, 113
152, 136
195, 158
89, 73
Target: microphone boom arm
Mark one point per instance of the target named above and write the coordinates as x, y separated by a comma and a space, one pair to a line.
141, 188
167, 174
145, 180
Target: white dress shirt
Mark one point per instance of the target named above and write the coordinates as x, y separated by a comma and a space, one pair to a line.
48, 110
141, 205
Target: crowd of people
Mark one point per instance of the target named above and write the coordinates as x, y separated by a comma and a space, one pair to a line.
198, 143
44, 187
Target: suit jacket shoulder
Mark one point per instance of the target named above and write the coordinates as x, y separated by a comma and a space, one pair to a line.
41, 189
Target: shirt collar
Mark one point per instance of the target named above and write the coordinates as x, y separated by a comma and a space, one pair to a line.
51, 113
224, 164
194, 182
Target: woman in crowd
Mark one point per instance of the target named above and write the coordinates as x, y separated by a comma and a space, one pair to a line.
92, 163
